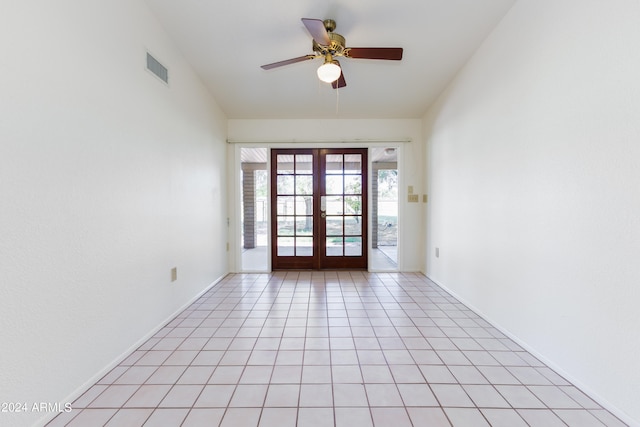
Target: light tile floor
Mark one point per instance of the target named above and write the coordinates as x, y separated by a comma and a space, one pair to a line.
384, 259
312, 349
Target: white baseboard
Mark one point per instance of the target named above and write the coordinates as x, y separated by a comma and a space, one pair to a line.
575, 381
91, 381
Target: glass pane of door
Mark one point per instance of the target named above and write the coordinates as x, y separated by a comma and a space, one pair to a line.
294, 195
344, 191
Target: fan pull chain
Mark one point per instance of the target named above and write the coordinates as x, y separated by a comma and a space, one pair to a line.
337, 101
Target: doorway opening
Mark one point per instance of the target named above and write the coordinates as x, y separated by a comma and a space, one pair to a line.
384, 205
352, 227
254, 213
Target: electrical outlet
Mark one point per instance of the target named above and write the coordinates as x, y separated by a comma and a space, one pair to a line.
174, 274
424, 198
227, 246
413, 198
410, 189
437, 252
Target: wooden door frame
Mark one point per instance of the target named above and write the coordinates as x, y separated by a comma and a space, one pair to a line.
292, 262
318, 261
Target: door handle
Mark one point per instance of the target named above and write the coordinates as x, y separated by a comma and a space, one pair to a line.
323, 203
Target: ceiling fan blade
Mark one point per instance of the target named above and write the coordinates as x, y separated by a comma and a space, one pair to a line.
390, 53
287, 62
341, 82
317, 31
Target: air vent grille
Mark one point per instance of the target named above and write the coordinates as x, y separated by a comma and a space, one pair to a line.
157, 68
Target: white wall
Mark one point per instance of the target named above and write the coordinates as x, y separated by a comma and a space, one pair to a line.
273, 132
108, 179
534, 186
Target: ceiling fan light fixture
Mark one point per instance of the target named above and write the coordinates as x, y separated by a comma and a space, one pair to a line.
329, 72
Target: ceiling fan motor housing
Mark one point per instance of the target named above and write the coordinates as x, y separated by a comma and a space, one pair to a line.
338, 42
336, 48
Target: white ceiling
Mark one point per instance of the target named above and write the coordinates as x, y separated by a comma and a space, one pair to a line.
227, 41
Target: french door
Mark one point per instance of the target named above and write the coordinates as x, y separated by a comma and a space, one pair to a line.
319, 208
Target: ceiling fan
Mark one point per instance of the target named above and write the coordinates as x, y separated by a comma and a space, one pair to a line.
329, 45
